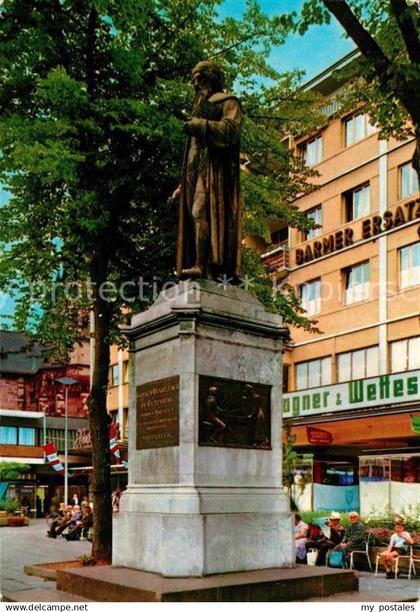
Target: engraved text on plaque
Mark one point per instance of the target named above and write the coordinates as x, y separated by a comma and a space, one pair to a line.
158, 413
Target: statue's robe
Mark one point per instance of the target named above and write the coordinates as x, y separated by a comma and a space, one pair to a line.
213, 155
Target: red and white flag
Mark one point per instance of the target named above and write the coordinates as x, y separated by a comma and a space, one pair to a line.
52, 457
113, 444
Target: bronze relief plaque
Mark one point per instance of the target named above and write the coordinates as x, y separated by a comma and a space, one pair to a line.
158, 413
234, 413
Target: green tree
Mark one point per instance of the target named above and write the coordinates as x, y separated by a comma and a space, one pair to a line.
93, 96
11, 470
387, 33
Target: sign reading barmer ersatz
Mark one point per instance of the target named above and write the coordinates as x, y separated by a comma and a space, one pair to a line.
158, 413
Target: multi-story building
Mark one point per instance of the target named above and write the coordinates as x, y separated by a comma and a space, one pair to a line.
32, 412
352, 391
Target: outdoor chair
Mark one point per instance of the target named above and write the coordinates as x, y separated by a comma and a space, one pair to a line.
362, 551
411, 563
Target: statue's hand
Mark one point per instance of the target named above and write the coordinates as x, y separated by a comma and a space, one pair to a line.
173, 199
194, 127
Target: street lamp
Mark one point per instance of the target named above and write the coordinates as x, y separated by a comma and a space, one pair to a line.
66, 381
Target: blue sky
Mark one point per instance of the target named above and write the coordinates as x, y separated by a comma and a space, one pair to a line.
320, 47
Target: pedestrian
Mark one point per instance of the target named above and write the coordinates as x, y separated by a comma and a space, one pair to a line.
353, 536
334, 537
398, 545
301, 529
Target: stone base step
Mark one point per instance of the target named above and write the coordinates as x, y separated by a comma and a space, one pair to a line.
38, 595
110, 583
364, 596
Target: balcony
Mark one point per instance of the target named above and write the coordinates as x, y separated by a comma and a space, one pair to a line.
277, 260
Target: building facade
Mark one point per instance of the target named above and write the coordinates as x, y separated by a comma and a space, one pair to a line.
352, 391
32, 411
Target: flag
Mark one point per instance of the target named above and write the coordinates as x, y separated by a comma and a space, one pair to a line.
113, 444
52, 457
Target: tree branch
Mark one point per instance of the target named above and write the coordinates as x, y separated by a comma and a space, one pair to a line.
403, 17
363, 39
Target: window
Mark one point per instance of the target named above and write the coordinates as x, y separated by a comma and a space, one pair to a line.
314, 373
57, 436
358, 364
312, 151
315, 214
410, 265
8, 435
286, 369
357, 283
125, 371
409, 182
357, 202
356, 128
280, 236
26, 436
405, 354
311, 296
114, 375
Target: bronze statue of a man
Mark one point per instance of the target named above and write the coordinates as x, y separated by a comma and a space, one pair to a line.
209, 223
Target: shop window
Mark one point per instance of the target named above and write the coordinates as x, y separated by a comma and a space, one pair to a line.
311, 151
310, 293
357, 202
315, 215
405, 469
8, 435
405, 354
314, 373
409, 181
355, 365
410, 265
26, 436
356, 128
356, 283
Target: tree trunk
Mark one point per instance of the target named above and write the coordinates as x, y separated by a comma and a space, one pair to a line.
99, 422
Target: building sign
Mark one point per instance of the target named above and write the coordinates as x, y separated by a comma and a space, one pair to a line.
368, 228
377, 391
318, 436
83, 439
158, 413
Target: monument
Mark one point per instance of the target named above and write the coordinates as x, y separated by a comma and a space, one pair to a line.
204, 489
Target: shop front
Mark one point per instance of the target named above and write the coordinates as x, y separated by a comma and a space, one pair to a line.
363, 445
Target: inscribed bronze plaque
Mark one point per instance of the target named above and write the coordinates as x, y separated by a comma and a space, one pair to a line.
158, 413
234, 413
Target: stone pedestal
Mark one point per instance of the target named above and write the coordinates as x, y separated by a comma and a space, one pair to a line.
200, 500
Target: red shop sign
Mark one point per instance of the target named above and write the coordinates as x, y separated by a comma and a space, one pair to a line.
318, 436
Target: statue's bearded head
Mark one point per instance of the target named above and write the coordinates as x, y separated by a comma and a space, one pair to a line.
206, 75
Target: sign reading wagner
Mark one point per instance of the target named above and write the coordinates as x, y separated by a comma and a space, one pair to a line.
376, 391
158, 413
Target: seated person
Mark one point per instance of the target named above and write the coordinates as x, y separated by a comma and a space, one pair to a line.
325, 543
87, 522
301, 530
398, 545
353, 536
60, 523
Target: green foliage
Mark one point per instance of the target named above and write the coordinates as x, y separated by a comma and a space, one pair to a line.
393, 98
12, 471
93, 98
10, 506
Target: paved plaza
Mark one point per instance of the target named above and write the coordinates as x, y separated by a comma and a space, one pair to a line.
21, 546
29, 545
